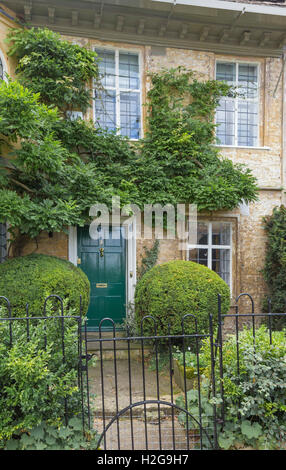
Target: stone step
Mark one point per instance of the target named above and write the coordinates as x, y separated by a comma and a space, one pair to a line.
121, 346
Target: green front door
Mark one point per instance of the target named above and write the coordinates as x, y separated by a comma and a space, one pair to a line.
104, 262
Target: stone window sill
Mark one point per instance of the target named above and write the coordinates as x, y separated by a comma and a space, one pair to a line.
242, 147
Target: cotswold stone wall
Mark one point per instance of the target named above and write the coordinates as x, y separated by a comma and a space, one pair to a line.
266, 162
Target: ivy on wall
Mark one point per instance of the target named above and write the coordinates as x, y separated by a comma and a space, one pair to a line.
275, 263
58, 168
149, 259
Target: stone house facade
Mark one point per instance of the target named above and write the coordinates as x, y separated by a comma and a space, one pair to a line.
241, 42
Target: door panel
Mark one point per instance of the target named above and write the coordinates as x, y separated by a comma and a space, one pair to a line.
104, 262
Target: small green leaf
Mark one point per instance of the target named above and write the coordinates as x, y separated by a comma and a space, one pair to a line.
251, 431
226, 441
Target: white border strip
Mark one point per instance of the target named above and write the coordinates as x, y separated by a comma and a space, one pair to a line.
235, 6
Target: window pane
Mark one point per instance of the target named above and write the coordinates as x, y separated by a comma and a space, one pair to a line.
130, 115
225, 72
105, 110
247, 80
3, 242
221, 233
203, 235
221, 263
106, 67
129, 72
199, 255
247, 123
225, 118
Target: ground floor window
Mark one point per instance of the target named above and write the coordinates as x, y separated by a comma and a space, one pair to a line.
3, 242
213, 248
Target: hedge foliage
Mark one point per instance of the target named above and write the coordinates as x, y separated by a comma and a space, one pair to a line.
31, 279
171, 290
275, 263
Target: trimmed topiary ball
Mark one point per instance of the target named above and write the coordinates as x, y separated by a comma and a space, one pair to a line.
171, 290
31, 279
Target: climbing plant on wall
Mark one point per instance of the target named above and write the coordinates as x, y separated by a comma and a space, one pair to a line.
275, 263
57, 167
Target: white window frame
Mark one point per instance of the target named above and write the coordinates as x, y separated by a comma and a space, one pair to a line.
211, 247
117, 51
236, 99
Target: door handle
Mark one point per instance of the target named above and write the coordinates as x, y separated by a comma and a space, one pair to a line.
101, 252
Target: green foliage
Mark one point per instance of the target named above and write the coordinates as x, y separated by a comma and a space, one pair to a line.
61, 437
171, 290
60, 168
254, 394
189, 361
47, 186
31, 279
275, 263
53, 67
179, 162
149, 259
38, 382
196, 420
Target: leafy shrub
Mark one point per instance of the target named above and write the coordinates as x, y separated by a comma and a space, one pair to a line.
275, 263
54, 67
30, 279
47, 437
254, 394
38, 379
189, 362
201, 419
171, 290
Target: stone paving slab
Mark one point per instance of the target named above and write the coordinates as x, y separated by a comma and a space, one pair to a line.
173, 434
123, 380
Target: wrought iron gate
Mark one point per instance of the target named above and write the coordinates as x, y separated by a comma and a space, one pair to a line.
145, 399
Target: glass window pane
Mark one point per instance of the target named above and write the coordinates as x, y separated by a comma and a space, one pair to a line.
221, 233
247, 80
199, 255
221, 263
129, 71
105, 110
225, 118
225, 72
203, 233
247, 123
130, 115
106, 66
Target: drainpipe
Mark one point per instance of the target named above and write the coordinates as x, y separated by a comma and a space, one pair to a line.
283, 156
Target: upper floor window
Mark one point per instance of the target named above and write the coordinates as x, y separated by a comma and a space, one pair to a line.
213, 248
118, 106
237, 115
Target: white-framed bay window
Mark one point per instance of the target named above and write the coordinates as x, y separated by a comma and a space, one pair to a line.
213, 248
237, 115
117, 107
